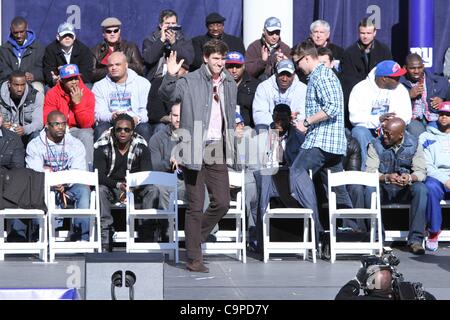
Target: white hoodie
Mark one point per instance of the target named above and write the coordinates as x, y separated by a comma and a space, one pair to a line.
268, 95
368, 102
130, 96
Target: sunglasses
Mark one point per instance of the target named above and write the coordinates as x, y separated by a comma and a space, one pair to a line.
296, 62
271, 33
120, 129
67, 35
109, 31
57, 124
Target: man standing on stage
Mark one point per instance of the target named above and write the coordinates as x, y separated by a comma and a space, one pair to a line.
208, 102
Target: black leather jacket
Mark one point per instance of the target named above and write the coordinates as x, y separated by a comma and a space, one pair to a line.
352, 160
130, 50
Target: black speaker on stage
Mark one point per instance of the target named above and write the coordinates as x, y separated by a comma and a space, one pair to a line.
124, 276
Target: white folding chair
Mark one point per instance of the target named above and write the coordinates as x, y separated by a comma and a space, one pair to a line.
40, 247
93, 212
301, 247
232, 241
169, 180
374, 213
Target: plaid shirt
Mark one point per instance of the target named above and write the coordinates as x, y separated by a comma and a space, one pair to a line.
325, 93
420, 107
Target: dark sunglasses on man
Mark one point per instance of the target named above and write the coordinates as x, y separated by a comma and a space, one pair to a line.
120, 129
109, 31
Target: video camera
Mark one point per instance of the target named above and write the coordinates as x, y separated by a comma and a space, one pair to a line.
176, 27
403, 290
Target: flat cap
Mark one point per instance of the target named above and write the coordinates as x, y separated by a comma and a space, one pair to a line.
111, 22
214, 18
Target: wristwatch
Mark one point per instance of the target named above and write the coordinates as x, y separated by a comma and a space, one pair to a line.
306, 124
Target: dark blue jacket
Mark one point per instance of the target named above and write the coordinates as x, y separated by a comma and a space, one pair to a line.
396, 162
437, 86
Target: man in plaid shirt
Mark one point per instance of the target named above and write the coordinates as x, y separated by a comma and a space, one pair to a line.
325, 143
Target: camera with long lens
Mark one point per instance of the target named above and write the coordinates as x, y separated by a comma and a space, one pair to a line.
403, 290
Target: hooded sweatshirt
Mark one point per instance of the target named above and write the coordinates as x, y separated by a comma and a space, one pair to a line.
268, 95
130, 96
436, 147
29, 112
69, 154
368, 102
79, 115
20, 49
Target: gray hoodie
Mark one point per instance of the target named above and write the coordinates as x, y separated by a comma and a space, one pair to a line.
130, 96
69, 154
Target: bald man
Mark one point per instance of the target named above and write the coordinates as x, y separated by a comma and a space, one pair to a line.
121, 91
400, 160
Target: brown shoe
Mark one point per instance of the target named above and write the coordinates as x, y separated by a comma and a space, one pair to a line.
416, 248
196, 266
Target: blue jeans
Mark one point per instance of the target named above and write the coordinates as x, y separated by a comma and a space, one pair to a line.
316, 159
436, 192
363, 136
80, 194
416, 196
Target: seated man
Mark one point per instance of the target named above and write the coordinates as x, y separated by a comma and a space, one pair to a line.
436, 146
400, 160
379, 94
22, 52
119, 149
56, 150
264, 53
114, 42
121, 91
283, 145
281, 88
426, 91
247, 85
13, 153
21, 106
71, 96
67, 49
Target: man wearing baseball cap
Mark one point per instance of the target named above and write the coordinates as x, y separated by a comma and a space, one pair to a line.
73, 98
263, 54
215, 24
113, 42
375, 99
281, 88
436, 142
66, 49
235, 64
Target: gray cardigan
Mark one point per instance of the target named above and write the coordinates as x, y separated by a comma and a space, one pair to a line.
195, 93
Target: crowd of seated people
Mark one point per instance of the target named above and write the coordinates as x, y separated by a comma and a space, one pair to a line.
103, 108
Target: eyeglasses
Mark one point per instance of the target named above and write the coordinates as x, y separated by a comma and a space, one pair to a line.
216, 94
57, 124
109, 31
120, 129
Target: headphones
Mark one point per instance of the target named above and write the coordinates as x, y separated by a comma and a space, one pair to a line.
116, 281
